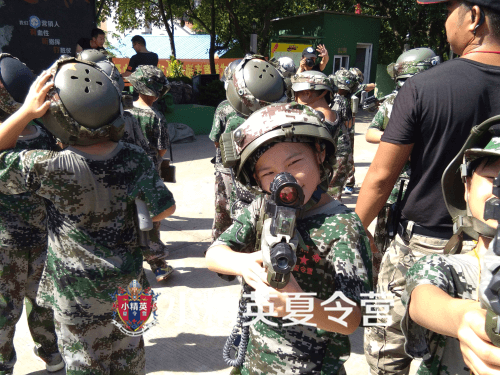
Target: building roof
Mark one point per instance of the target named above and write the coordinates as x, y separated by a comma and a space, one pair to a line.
328, 12
186, 47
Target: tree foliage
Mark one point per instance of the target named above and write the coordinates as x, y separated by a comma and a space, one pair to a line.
231, 22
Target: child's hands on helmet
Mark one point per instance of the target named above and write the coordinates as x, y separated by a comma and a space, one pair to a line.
36, 103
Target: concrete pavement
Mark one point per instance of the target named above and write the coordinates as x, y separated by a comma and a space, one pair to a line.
197, 309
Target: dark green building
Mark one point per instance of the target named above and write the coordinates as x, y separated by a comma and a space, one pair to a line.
352, 40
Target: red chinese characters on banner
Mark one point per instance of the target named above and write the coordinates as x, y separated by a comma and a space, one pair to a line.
189, 66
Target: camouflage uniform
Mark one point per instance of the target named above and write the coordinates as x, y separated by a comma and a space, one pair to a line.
336, 258
23, 250
384, 346
380, 235
456, 275
149, 131
223, 181
344, 156
92, 246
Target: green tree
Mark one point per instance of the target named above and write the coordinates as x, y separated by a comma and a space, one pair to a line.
136, 14
209, 16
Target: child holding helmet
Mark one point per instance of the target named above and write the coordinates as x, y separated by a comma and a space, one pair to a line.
90, 189
23, 235
334, 255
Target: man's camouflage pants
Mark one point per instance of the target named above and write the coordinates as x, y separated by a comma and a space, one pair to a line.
384, 346
222, 218
20, 273
342, 164
99, 348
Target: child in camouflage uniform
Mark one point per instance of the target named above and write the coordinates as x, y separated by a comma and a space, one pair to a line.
223, 182
23, 237
151, 84
251, 84
444, 321
335, 256
90, 189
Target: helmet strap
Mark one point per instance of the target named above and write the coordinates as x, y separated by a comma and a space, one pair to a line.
315, 198
318, 98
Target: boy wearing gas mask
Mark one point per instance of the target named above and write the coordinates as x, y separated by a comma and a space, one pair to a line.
279, 145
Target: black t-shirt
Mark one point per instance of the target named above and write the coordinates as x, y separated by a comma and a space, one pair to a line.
85, 44
142, 58
435, 111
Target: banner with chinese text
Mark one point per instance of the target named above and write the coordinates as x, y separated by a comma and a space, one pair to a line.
38, 32
188, 67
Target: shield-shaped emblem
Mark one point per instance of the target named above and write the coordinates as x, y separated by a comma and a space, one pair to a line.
134, 307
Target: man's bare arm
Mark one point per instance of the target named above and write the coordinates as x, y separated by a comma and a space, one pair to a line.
380, 179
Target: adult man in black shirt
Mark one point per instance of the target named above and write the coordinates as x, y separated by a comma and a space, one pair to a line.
308, 53
96, 41
142, 57
431, 119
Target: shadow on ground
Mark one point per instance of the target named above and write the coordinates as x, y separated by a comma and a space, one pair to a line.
186, 353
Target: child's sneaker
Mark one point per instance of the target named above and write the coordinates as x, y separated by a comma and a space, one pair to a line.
348, 190
163, 273
55, 364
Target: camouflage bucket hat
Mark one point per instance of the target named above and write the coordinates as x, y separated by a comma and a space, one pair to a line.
345, 79
275, 123
484, 140
85, 106
312, 80
255, 84
15, 81
360, 77
149, 80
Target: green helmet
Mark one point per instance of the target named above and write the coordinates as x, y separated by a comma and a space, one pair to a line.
85, 104
92, 55
278, 122
345, 79
484, 140
255, 84
15, 82
149, 80
413, 62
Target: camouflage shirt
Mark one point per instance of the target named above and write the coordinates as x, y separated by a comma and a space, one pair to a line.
380, 121
342, 105
223, 115
22, 216
92, 247
336, 258
456, 275
154, 128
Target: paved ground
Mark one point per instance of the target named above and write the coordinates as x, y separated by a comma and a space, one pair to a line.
196, 309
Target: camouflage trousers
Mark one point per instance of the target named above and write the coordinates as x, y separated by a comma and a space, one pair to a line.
222, 218
343, 163
99, 348
157, 249
350, 160
20, 273
384, 346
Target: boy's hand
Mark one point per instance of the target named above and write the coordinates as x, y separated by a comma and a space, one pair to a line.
36, 104
479, 354
278, 297
252, 271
